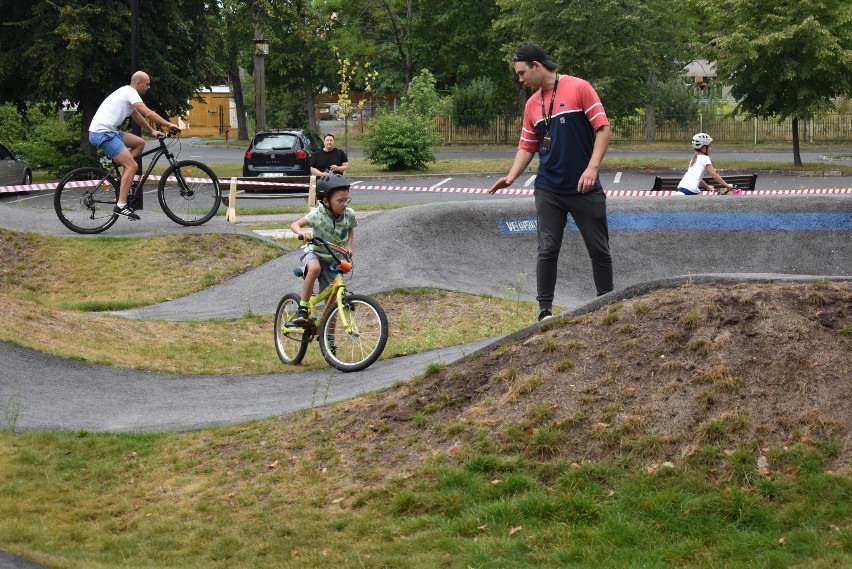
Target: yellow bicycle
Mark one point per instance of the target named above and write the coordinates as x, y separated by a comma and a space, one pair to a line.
352, 330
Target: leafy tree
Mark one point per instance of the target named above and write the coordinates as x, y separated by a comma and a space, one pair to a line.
56, 50
623, 47
454, 39
380, 31
782, 59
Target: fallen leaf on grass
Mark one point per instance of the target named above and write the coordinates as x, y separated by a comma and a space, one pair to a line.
515, 530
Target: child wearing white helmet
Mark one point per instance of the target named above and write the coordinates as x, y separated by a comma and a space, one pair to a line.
693, 181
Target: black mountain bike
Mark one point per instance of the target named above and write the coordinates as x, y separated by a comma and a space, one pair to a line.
188, 193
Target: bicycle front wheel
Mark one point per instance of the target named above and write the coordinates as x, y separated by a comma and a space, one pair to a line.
189, 193
290, 343
354, 334
85, 199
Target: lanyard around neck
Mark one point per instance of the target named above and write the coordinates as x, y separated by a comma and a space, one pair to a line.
549, 115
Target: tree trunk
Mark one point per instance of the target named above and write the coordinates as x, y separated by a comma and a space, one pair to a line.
239, 102
650, 120
650, 123
87, 112
797, 156
308, 84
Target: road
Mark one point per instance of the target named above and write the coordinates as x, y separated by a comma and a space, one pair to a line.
200, 149
636, 179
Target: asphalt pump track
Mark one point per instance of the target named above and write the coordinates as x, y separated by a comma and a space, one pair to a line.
477, 246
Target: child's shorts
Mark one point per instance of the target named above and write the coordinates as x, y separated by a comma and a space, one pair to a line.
326, 274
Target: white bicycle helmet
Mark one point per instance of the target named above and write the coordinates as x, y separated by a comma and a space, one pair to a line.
701, 139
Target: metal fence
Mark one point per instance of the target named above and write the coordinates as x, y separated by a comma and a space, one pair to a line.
825, 128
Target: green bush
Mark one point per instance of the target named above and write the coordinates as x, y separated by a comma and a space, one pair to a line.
477, 103
44, 140
675, 101
400, 141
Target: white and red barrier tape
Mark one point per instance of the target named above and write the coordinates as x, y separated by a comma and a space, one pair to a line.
613, 193
508, 191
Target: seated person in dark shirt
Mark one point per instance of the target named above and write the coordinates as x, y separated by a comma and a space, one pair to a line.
330, 159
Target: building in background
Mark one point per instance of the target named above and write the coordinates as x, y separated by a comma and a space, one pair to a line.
211, 115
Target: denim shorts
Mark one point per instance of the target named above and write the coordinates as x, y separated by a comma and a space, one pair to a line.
326, 274
110, 142
686, 192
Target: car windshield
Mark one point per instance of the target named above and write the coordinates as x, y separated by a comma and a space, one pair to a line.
275, 142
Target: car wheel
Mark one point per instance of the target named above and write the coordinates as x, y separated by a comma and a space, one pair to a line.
28, 178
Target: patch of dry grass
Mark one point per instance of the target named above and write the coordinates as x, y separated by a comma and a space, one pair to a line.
46, 281
115, 273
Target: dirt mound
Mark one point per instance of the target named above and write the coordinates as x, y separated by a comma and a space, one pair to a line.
760, 367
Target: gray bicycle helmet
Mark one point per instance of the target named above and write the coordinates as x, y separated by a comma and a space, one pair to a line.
701, 139
327, 183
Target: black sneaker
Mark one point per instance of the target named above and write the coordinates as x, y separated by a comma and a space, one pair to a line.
544, 314
301, 317
127, 212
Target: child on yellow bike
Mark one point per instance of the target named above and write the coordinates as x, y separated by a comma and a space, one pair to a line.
332, 221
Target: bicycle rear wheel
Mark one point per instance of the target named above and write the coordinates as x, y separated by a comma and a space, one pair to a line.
189, 193
362, 344
290, 343
85, 199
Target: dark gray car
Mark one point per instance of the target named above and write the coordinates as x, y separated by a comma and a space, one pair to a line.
281, 152
13, 169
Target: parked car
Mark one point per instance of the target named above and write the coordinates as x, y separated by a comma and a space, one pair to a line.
13, 169
281, 152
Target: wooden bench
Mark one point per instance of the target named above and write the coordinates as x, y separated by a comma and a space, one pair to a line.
745, 182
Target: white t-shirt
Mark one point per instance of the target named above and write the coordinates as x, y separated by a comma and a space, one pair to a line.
693, 175
115, 109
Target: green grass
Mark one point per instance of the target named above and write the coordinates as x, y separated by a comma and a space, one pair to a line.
241, 497
52, 286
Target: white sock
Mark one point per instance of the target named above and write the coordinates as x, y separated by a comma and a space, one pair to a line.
120, 205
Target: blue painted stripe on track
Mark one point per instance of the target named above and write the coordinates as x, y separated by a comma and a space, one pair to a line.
700, 221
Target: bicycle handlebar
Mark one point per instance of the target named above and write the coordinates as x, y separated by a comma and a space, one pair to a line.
171, 134
330, 247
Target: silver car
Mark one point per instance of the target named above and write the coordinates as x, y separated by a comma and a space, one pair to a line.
13, 170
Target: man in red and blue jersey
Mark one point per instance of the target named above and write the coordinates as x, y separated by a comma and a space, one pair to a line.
565, 122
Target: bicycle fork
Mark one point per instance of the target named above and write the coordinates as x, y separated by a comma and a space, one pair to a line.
345, 311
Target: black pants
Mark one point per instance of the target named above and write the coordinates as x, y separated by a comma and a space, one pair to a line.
589, 213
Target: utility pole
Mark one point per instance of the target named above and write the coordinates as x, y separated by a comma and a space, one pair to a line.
261, 50
134, 67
